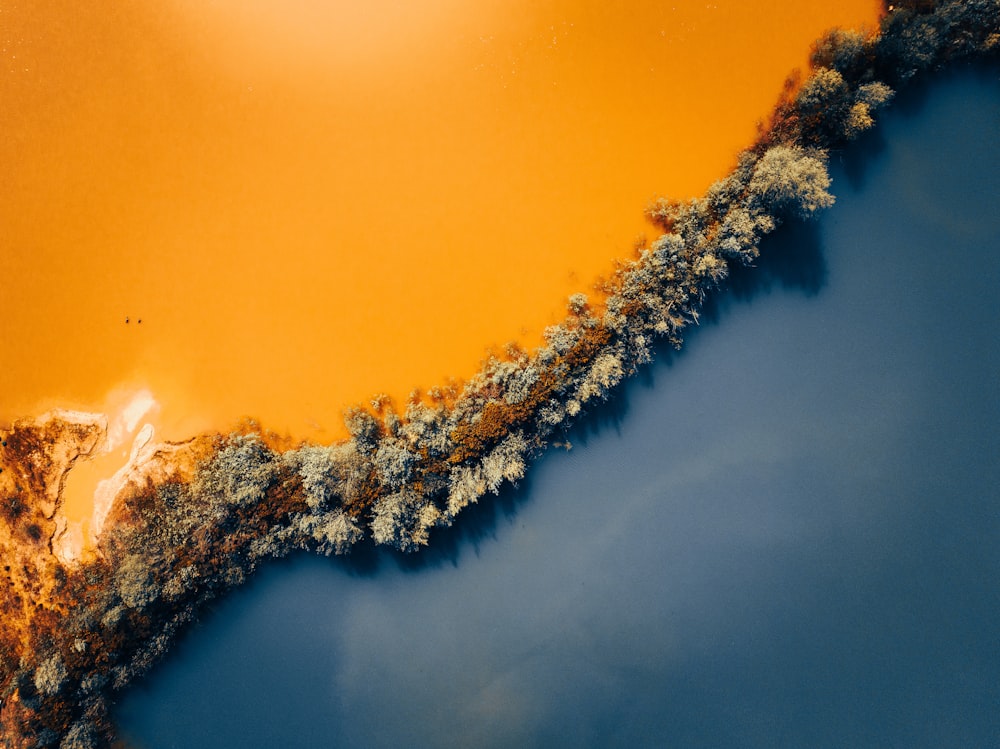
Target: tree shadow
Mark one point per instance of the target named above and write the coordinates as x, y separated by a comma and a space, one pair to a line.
857, 159
477, 524
791, 259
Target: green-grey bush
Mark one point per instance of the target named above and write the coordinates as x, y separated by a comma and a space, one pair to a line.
50, 676
81, 735
239, 474
790, 181
317, 468
842, 50
134, 580
394, 463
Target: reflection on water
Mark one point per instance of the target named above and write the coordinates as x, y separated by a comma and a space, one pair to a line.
307, 203
789, 541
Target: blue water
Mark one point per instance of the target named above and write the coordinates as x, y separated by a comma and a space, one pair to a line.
786, 535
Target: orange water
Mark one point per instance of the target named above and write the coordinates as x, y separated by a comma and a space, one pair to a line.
308, 202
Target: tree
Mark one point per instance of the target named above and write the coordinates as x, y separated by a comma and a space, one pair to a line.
394, 463
822, 104
505, 462
363, 427
240, 473
867, 99
403, 519
789, 180
50, 675
841, 50
81, 735
824, 94
316, 469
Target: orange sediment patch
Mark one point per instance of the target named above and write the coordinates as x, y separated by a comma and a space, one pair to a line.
308, 203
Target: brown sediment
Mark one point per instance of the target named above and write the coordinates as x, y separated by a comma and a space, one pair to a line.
305, 208
35, 457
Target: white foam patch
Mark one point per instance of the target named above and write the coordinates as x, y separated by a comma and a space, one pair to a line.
140, 405
125, 422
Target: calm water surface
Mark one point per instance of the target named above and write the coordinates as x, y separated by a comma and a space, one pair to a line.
787, 535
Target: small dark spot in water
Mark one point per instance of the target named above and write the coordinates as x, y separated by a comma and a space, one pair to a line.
126, 321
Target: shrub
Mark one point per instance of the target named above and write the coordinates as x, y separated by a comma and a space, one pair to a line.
840, 50
506, 462
317, 470
364, 427
394, 463
135, 583
239, 474
403, 519
81, 735
50, 676
334, 533
789, 180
